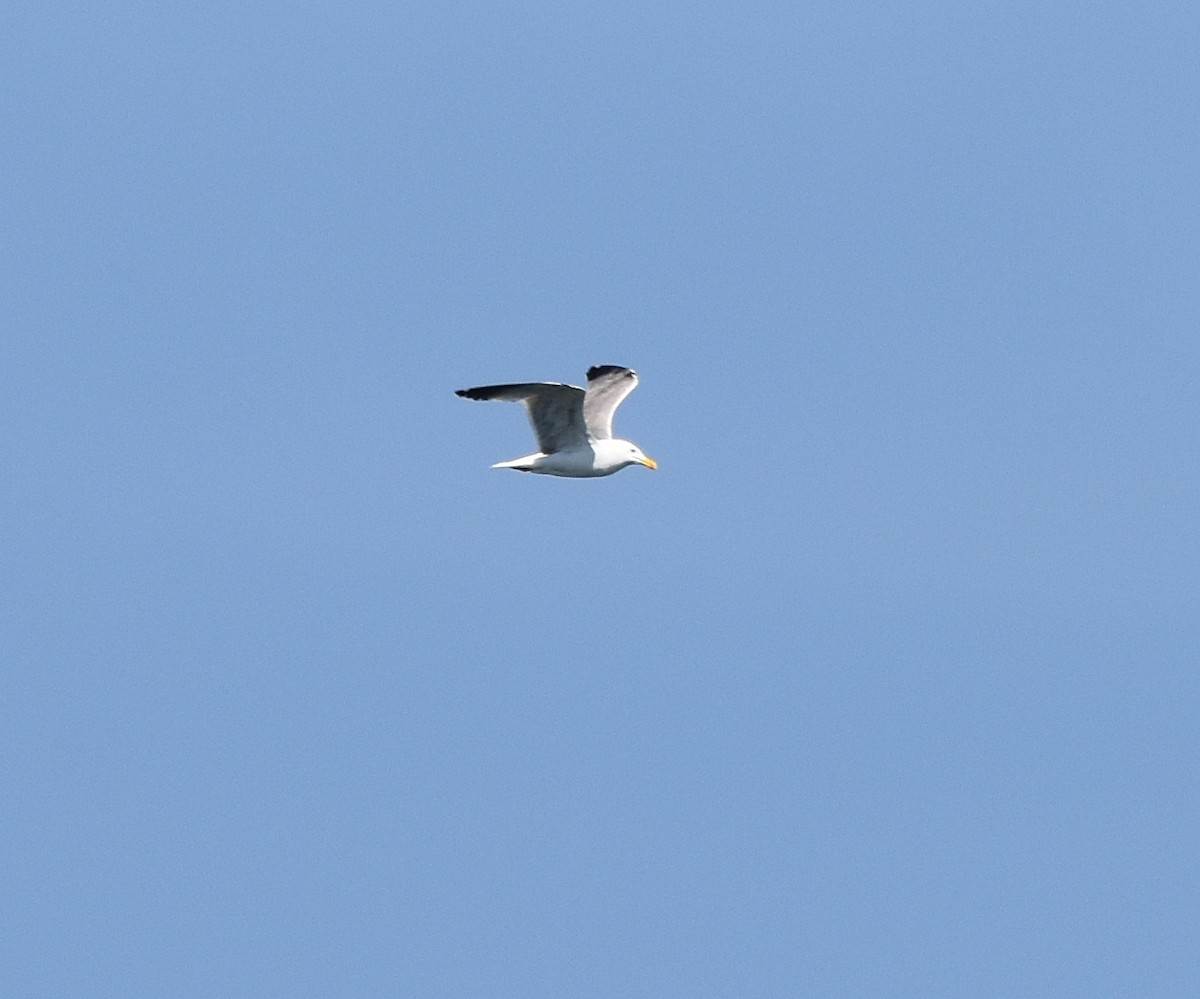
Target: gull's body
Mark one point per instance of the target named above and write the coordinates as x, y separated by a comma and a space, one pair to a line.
573, 426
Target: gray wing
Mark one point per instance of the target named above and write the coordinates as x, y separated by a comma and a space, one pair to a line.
607, 387
555, 411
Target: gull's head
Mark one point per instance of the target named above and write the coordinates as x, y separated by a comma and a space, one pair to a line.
631, 454
617, 454
636, 455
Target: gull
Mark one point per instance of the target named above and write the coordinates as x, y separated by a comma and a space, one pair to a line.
573, 426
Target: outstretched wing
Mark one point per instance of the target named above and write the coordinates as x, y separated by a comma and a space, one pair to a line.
607, 387
555, 411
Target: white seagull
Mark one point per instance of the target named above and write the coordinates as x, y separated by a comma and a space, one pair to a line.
573, 426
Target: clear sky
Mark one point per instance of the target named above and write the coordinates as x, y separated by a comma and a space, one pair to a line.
885, 684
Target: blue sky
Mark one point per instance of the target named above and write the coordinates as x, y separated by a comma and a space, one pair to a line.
884, 684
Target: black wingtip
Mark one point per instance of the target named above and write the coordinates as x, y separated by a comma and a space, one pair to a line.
472, 393
600, 370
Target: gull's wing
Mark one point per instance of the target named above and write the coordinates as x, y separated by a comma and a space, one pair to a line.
607, 387
554, 410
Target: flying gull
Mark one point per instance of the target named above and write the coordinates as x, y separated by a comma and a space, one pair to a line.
573, 425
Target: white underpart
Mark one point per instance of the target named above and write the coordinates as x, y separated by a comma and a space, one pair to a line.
587, 462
